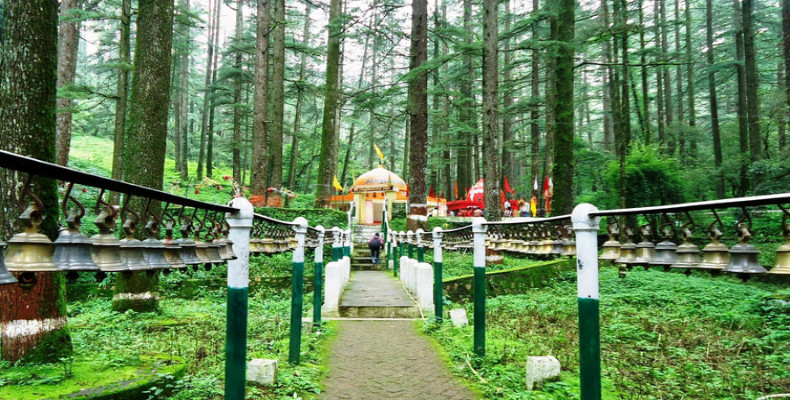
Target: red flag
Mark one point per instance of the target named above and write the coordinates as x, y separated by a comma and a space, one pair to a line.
431, 192
407, 191
546, 187
456, 190
507, 186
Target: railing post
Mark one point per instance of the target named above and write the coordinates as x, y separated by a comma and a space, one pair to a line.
238, 282
410, 241
402, 240
397, 249
438, 287
318, 277
420, 248
347, 244
297, 291
586, 229
479, 286
336, 240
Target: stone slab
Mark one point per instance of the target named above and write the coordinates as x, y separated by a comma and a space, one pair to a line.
540, 369
262, 372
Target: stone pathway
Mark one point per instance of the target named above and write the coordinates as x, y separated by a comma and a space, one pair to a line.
377, 360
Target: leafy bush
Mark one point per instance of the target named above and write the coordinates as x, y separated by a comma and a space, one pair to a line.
325, 217
652, 179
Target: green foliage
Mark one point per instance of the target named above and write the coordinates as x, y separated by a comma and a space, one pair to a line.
326, 217
663, 335
652, 179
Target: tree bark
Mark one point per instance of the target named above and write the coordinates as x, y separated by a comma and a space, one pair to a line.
466, 107
418, 117
563, 149
210, 139
147, 128
692, 121
660, 117
491, 148
124, 61
668, 115
237, 104
534, 128
28, 98
713, 100
752, 99
275, 135
509, 161
646, 129
327, 162
183, 77
551, 97
207, 88
68, 40
786, 44
742, 113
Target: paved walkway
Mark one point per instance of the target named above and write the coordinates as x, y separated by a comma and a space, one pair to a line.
385, 359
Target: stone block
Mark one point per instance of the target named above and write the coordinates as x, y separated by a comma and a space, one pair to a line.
262, 372
458, 316
540, 369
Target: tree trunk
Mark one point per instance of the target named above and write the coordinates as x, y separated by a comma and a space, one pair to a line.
327, 163
466, 107
551, 97
32, 315
743, 127
692, 139
624, 133
714, 103
147, 128
300, 87
206, 91
373, 83
750, 65
183, 77
660, 117
124, 61
418, 117
608, 81
275, 135
509, 161
210, 139
563, 137
237, 104
491, 149
68, 40
534, 128
350, 144
670, 139
646, 129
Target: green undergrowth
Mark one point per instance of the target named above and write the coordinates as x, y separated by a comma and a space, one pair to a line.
663, 336
193, 329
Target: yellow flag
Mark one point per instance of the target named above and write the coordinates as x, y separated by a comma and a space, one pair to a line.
337, 185
378, 150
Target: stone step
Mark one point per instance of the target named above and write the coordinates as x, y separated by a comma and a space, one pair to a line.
373, 294
410, 312
366, 267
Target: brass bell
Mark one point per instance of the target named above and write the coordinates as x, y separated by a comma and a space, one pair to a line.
172, 248
30, 251
569, 248
154, 248
256, 242
212, 250
188, 252
559, 242
226, 251
688, 254
715, 255
132, 250
743, 256
5, 276
645, 248
105, 247
782, 266
611, 248
201, 250
627, 250
72, 248
665, 252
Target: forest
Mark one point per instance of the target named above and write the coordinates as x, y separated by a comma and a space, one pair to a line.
619, 103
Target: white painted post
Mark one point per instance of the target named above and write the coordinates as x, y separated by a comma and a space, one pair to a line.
240, 223
318, 277
479, 284
586, 228
438, 288
297, 292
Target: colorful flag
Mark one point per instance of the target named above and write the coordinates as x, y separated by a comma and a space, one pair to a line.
337, 185
533, 204
456, 190
507, 186
535, 185
378, 151
547, 187
431, 192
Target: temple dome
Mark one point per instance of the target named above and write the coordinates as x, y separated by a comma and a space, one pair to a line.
378, 180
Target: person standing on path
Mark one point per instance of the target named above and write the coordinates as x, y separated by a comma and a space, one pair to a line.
375, 248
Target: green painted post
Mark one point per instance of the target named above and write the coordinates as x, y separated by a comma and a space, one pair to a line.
586, 228
396, 248
347, 243
240, 224
336, 243
479, 286
410, 243
420, 248
438, 287
297, 292
318, 278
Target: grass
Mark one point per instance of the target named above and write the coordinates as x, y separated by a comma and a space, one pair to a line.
664, 336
